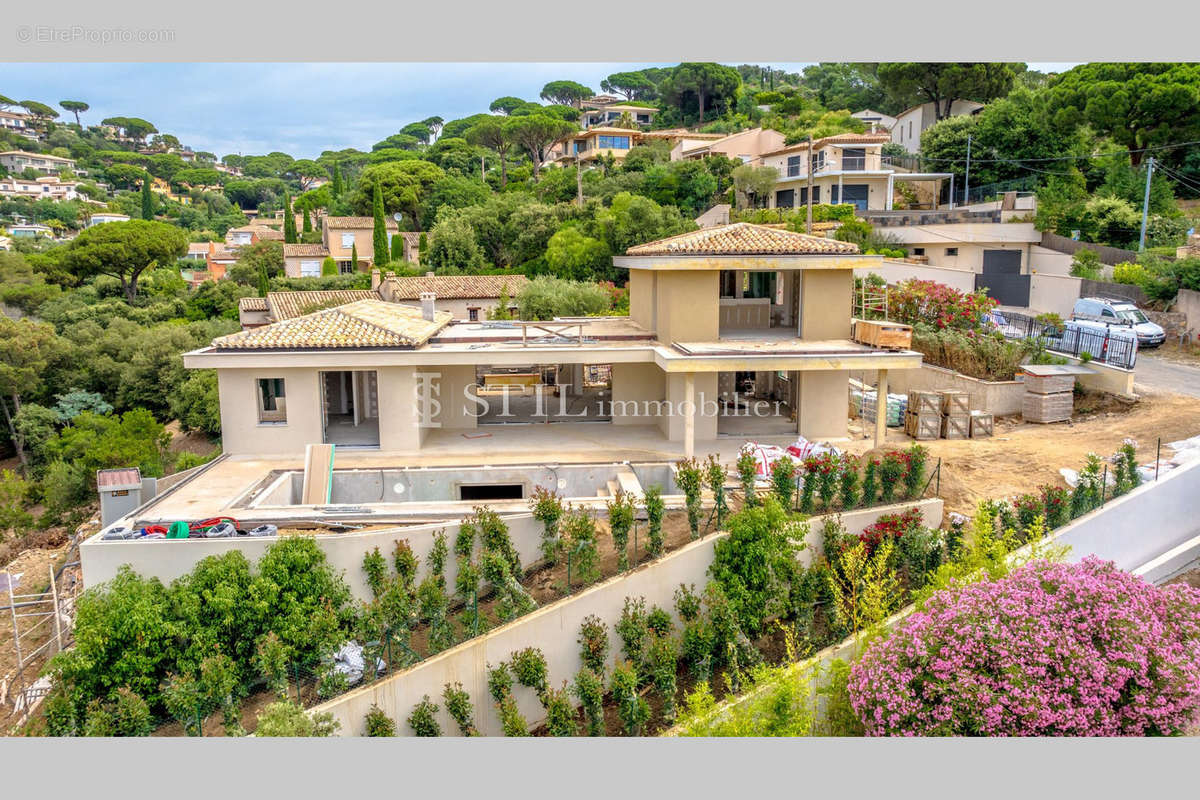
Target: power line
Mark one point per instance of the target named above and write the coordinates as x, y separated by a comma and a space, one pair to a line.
1091, 157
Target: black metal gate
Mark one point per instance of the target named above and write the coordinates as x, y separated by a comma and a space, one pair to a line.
1002, 278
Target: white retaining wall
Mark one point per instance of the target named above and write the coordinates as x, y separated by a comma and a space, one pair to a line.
555, 629
167, 559
1138, 528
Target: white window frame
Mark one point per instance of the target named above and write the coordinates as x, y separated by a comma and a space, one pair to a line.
345, 235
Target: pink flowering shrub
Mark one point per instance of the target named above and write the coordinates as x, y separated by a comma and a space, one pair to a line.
1051, 650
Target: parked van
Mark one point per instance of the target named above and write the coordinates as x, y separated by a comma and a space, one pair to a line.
1122, 313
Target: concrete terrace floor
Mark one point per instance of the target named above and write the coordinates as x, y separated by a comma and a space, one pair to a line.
214, 491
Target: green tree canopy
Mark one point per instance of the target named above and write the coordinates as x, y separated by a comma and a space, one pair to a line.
633, 85
76, 107
701, 85
1137, 105
403, 184
534, 133
943, 83
567, 93
493, 133
124, 250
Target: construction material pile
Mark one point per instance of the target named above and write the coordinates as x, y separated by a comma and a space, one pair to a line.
945, 415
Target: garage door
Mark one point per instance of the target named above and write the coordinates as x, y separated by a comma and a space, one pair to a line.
854, 194
1003, 279
785, 198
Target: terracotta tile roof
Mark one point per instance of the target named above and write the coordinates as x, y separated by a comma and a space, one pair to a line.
841, 138
363, 324
354, 222
742, 238
293, 250
288, 305
453, 287
252, 304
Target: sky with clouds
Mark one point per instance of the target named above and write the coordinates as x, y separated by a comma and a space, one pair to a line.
300, 109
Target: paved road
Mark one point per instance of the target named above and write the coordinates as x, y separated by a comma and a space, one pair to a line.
1157, 373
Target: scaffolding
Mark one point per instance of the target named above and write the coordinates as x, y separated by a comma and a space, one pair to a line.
42, 625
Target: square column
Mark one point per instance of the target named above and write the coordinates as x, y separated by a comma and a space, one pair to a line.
689, 414
881, 389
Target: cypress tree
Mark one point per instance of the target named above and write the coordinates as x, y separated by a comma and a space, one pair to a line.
336, 187
289, 221
307, 222
379, 240
422, 247
264, 283
354, 257
147, 198
397, 247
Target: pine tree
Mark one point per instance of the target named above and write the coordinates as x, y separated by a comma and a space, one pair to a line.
147, 199
289, 221
336, 186
379, 240
354, 257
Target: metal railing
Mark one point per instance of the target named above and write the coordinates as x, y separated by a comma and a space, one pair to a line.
1099, 345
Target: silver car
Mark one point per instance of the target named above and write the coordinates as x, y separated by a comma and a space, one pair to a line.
1119, 312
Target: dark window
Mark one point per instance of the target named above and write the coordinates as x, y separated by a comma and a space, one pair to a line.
854, 158
492, 491
918, 251
804, 195
785, 198
473, 314
951, 251
793, 165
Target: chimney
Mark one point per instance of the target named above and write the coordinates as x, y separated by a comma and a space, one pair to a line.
427, 305
374, 278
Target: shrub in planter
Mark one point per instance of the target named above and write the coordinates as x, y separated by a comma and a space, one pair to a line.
827, 479
579, 533
593, 642
620, 522
589, 688
870, 485
494, 533
458, 705
284, 718
914, 476
662, 659
687, 602
696, 647
658, 621
1087, 493
848, 480
375, 567
423, 719
783, 481
500, 681
406, 563
808, 489
1086, 650
747, 470
634, 630
511, 721
547, 508
560, 712
514, 600
890, 527
891, 470
529, 668
1057, 504
633, 709
655, 510
920, 551
691, 480
1125, 468
379, 723
1027, 508
714, 478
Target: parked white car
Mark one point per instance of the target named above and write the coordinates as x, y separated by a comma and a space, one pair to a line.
1116, 343
1120, 313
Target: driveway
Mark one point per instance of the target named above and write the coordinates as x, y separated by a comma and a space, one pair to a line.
1158, 374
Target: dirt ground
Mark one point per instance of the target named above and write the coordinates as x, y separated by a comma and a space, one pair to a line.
1022, 456
194, 442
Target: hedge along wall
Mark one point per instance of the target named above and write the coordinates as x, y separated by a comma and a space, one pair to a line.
167, 559
555, 629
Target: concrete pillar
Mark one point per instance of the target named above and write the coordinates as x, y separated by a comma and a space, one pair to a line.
881, 389
887, 202
689, 418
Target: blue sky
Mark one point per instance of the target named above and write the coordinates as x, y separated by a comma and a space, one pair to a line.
300, 109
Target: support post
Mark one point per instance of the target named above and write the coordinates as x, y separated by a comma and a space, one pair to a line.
808, 169
891, 191
57, 618
1146, 203
689, 419
967, 177
12, 607
881, 389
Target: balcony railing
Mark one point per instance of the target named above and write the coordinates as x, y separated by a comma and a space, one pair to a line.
854, 163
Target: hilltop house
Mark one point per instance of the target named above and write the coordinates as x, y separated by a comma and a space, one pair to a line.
106, 216
736, 330
609, 113
745, 146
846, 168
912, 122
590, 144
16, 161
47, 186
340, 236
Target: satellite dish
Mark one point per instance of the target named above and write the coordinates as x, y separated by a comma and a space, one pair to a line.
397, 216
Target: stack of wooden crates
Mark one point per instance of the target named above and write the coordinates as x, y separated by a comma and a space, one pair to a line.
944, 415
1048, 398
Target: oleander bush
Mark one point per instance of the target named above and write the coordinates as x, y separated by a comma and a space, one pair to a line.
1050, 650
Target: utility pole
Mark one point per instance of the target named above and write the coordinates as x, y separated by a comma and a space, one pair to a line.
578, 181
482, 170
1146, 203
809, 190
967, 181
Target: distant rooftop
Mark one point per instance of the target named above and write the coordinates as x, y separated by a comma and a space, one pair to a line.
357, 325
742, 238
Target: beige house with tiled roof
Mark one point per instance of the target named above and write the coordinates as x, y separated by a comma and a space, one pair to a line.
466, 297
745, 146
846, 168
593, 143
741, 330
339, 237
